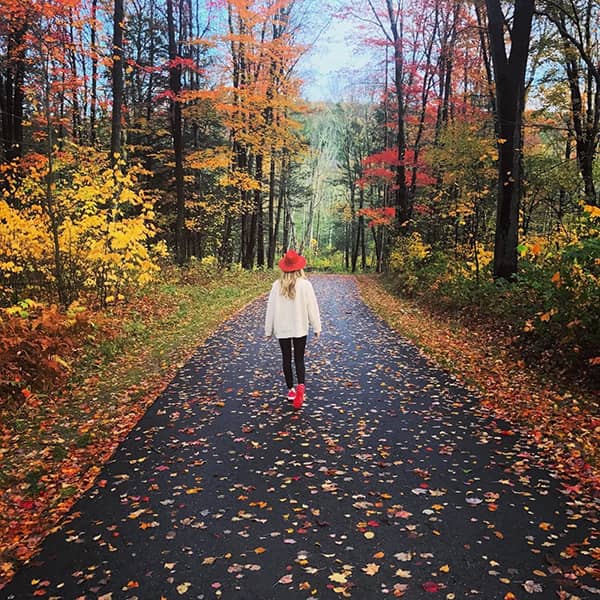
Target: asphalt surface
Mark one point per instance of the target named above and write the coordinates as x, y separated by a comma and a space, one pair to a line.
389, 482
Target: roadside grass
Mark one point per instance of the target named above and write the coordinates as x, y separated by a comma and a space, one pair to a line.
52, 446
558, 417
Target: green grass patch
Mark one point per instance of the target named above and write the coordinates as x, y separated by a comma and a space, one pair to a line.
68, 491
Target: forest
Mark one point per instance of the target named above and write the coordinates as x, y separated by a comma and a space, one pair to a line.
158, 157
461, 161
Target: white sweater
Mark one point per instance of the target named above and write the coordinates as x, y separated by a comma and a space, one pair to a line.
287, 318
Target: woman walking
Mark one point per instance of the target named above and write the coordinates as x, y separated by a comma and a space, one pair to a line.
292, 307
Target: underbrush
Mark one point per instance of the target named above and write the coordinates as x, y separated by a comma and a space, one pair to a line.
549, 312
43, 348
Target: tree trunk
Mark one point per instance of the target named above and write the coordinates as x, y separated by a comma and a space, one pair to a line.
76, 119
486, 59
363, 243
273, 221
585, 135
510, 95
446, 67
225, 250
576, 28
50, 206
117, 81
94, 82
258, 207
12, 97
401, 196
151, 57
353, 242
281, 201
177, 133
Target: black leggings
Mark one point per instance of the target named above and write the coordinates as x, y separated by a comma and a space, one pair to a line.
286, 352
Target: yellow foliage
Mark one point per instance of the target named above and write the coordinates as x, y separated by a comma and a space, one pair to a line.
533, 247
593, 211
484, 258
409, 250
96, 220
210, 261
240, 180
211, 159
24, 239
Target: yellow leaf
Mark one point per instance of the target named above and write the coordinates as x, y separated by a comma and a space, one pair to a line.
445, 568
338, 577
371, 569
183, 587
343, 591
403, 573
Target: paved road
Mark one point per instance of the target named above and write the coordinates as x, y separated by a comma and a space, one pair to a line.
388, 482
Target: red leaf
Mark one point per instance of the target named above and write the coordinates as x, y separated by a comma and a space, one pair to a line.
432, 586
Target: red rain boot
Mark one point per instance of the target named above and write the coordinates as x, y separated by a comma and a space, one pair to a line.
299, 399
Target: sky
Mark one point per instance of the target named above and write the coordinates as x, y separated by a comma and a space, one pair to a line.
332, 65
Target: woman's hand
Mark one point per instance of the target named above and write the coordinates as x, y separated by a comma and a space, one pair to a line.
317, 335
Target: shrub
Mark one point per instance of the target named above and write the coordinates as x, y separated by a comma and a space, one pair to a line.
407, 261
550, 310
93, 232
36, 345
329, 260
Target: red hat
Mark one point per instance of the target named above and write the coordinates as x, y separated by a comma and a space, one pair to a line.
292, 261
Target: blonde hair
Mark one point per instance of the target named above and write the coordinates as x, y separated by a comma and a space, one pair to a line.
287, 283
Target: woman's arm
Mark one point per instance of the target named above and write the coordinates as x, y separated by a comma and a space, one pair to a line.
314, 316
270, 315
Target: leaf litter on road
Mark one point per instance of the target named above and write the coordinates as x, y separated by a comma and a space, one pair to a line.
389, 481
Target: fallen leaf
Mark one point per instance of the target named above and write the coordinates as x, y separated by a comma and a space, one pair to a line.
371, 569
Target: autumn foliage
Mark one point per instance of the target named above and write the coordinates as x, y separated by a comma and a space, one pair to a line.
88, 230
37, 347
176, 133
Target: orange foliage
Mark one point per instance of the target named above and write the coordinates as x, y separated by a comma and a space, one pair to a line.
36, 344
